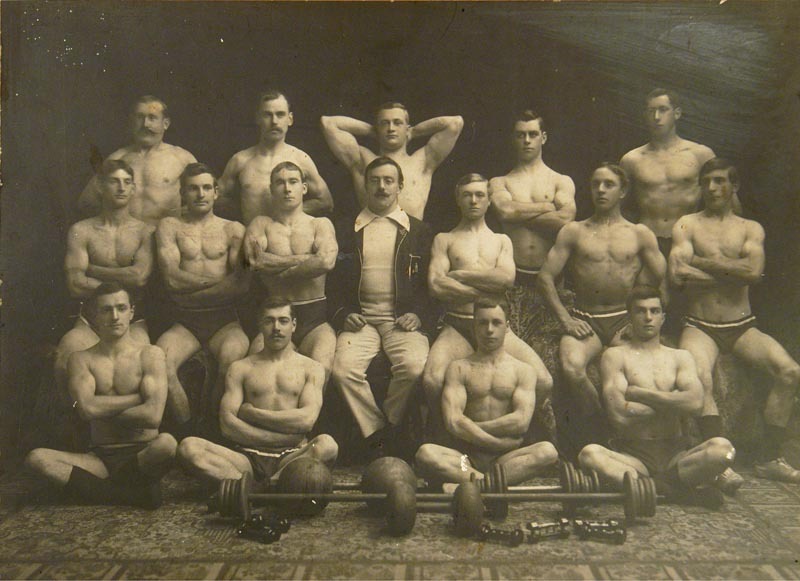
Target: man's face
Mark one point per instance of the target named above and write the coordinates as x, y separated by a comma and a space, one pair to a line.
277, 327
647, 317
383, 187
287, 189
661, 115
148, 123
473, 200
116, 189
606, 189
717, 189
113, 315
491, 326
392, 128
199, 194
528, 139
274, 119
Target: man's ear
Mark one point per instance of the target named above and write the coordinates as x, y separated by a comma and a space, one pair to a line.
167, 121
678, 112
544, 137
291, 119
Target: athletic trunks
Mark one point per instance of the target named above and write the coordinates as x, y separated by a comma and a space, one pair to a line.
606, 325
725, 335
656, 454
526, 277
480, 460
464, 325
264, 464
120, 460
204, 323
310, 315
664, 245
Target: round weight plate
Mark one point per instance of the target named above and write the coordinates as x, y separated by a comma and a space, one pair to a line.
498, 508
468, 509
401, 508
245, 486
630, 493
225, 509
650, 498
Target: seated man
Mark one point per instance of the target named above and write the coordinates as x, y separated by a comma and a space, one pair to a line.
487, 405
468, 263
200, 257
272, 399
716, 256
649, 389
120, 388
292, 253
384, 306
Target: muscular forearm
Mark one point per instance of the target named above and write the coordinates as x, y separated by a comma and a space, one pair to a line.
145, 416
180, 281
134, 276
511, 211
631, 413
314, 266
511, 425
728, 269
449, 290
435, 125
551, 222
293, 421
682, 401
233, 286
467, 430
106, 406
493, 281
248, 435
547, 286
81, 286
275, 263
352, 126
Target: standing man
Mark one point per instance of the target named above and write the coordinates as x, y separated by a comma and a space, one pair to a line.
716, 256
468, 263
200, 257
292, 253
533, 203
110, 247
120, 387
648, 389
384, 307
157, 166
247, 174
272, 400
394, 132
487, 401
606, 256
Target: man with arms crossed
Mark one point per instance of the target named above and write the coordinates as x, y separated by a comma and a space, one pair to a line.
384, 306
487, 403
248, 172
111, 247
606, 256
272, 399
120, 387
394, 132
716, 256
533, 203
648, 389
200, 257
157, 165
292, 253
468, 263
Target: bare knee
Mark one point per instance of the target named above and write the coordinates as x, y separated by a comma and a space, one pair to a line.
426, 457
720, 451
232, 350
546, 453
591, 457
165, 445
37, 460
574, 367
790, 376
325, 449
190, 451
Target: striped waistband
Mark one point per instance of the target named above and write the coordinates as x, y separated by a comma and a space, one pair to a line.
749, 318
600, 314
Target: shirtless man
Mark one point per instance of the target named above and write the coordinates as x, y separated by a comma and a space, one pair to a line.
292, 253
468, 263
200, 257
119, 386
606, 256
394, 132
533, 203
716, 256
111, 247
248, 172
648, 389
156, 166
487, 403
272, 399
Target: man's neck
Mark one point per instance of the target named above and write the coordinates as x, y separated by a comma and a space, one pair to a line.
145, 149
267, 354
651, 344
287, 216
476, 225
111, 345
612, 216
198, 218
531, 165
666, 141
720, 214
490, 356
397, 154
266, 145
114, 216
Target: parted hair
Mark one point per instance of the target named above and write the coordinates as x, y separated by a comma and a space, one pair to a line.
674, 100
288, 165
275, 302
271, 95
393, 105
469, 178
383, 160
109, 166
529, 115
716, 163
490, 303
642, 292
105, 288
196, 169
617, 170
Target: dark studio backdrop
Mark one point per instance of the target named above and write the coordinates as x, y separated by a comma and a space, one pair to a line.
70, 71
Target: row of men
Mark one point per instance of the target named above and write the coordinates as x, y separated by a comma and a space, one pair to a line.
273, 397
385, 307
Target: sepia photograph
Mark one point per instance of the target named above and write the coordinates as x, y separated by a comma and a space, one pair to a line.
400, 290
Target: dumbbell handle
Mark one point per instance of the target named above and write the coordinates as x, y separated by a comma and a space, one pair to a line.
441, 497
511, 489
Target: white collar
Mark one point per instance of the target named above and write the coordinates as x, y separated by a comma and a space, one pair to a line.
398, 216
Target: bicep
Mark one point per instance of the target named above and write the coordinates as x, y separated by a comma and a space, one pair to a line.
77, 257
311, 396
564, 199
687, 378
154, 375
234, 392
753, 247
454, 393
440, 263
81, 383
505, 258
325, 237
169, 255
559, 254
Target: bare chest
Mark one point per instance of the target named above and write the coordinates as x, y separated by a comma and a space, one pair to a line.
289, 239
712, 238
486, 381
540, 187
473, 252
666, 168
616, 244
657, 371
154, 171
119, 376
113, 246
202, 241
273, 386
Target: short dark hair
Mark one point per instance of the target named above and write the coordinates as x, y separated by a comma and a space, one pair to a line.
196, 169
716, 163
288, 165
109, 166
271, 95
492, 302
144, 99
617, 170
393, 105
643, 292
469, 178
529, 115
275, 302
659, 92
105, 288
383, 160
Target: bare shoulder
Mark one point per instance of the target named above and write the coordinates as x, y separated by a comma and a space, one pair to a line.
81, 228
240, 158
151, 354
183, 154
497, 183
121, 153
232, 227
168, 225
644, 234
443, 239
702, 152
321, 223
614, 355
306, 363
520, 367
634, 155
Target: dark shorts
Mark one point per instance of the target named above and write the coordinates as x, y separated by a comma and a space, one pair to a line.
664, 245
120, 461
656, 455
481, 460
204, 323
310, 315
606, 325
725, 335
264, 464
526, 277
464, 325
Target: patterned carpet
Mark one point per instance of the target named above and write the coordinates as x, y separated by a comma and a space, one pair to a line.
755, 536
